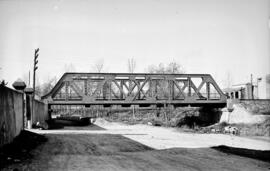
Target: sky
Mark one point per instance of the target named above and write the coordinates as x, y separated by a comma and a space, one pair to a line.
225, 38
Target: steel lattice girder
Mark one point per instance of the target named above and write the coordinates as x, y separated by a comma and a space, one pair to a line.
141, 89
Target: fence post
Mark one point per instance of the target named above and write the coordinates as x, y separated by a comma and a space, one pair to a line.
20, 86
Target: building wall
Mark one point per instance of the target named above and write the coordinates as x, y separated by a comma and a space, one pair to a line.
249, 91
259, 90
267, 79
263, 88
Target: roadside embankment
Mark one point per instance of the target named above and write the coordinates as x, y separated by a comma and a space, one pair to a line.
249, 118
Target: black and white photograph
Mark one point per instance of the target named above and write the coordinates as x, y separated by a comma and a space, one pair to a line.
135, 85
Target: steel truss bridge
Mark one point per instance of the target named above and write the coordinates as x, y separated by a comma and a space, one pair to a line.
141, 89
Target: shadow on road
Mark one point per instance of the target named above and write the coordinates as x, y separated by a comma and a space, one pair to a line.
19, 149
69, 125
263, 155
92, 127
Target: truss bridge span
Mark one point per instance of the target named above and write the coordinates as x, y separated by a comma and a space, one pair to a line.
141, 89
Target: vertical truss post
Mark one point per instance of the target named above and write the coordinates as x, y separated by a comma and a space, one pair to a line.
150, 88
170, 82
66, 90
110, 89
172, 88
208, 90
122, 87
189, 87
139, 92
129, 87
104, 89
155, 88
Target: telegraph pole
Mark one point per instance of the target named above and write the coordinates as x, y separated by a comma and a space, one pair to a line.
34, 82
29, 79
34, 70
251, 82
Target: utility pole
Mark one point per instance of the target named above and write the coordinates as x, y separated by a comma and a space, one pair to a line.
34, 81
35, 68
29, 79
251, 82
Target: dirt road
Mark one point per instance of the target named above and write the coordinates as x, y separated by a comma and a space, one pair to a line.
114, 146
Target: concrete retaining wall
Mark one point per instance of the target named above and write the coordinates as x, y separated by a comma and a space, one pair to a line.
11, 114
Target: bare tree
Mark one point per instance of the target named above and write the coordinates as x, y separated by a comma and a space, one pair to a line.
171, 68
99, 65
48, 85
174, 68
156, 69
131, 65
3, 83
69, 68
131, 69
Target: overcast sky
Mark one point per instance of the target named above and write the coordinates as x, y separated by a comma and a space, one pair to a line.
210, 36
